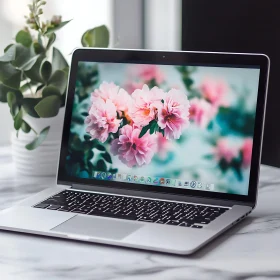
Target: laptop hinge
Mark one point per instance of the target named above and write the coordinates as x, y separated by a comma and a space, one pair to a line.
157, 195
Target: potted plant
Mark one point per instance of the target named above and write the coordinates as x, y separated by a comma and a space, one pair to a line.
33, 82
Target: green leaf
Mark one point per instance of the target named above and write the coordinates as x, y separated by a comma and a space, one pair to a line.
188, 82
46, 71
208, 157
9, 75
57, 27
14, 101
48, 107
97, 37
38, 48
18, 120
52, 38
38, 140
58, 60
22, 55
4, 90
25, 58
144, 130
9, 54
59, 80
100, 147
24, 38
161, 130
11, 99
107, 157
28, 105
154, 127
29, 64
25, 127
87, 137
26, 86
7, 48
34, 72
50, 90
101, 165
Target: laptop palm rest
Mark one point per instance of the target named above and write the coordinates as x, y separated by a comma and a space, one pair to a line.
96, 227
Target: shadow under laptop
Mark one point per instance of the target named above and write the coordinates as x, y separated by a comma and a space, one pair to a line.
205, 250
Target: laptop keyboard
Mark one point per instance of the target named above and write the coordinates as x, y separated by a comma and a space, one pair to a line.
130, 208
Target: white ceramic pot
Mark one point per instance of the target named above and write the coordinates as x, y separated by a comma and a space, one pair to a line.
43, 160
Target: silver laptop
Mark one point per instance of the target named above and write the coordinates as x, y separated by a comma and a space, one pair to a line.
160, 150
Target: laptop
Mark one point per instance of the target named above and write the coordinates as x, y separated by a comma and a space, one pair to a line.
160, 150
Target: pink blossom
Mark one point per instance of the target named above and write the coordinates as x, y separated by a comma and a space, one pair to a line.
145, 105
214, 91
148, 72
201, 112
133, 150
117, 95
225, 151
132, 86
246, 150
102, 119
163, 145
173, 116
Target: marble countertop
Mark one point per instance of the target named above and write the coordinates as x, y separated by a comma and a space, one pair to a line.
251, 250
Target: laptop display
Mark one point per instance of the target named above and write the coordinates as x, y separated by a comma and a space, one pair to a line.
188, 127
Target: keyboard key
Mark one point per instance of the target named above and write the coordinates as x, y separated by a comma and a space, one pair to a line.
174, 223
41, 205
54, 207
196, 226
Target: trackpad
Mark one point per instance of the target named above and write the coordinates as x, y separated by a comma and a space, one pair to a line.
97, 227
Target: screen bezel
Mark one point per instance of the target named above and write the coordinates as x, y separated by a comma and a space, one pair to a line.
169, 58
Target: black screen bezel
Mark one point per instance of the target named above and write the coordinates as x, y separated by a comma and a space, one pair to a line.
170, 58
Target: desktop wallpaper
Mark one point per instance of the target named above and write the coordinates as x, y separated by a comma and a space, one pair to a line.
171, 126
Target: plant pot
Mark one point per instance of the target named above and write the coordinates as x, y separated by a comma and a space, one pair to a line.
43, 160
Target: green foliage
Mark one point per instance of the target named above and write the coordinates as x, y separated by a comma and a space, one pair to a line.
25, 127
186, 72
58, 61
53, 28
29, 104
46, 71
152, 127
38, 140
24, 37
48, 107
97, 37
59, 80
29, 82
18, 120
243, 123
86, 156
80, 155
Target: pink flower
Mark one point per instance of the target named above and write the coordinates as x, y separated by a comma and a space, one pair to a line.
246, 151
102, 120
214, 91
148, 72
145, 105
201, 112
163, 145
173, 116
133, 150
132, 86
225, 151
110, 91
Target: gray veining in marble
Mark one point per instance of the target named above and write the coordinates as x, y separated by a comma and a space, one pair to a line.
251, 250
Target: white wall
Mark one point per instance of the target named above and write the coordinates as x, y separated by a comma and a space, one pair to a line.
163, 24
85, 14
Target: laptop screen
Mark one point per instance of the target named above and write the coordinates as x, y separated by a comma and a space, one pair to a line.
188, 127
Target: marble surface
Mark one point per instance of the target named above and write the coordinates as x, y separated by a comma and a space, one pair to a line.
251, 250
